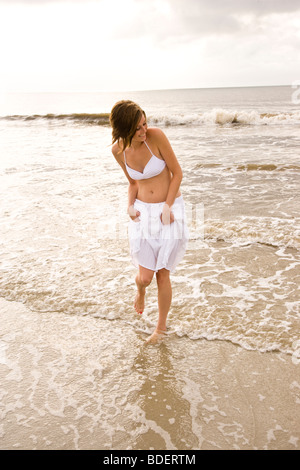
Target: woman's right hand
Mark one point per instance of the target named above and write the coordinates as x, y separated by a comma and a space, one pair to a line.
133, 213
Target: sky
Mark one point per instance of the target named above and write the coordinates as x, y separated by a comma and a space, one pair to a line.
126, 45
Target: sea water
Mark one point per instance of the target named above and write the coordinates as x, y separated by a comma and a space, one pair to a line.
63, 221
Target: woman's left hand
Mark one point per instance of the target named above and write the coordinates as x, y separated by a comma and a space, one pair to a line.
167, 216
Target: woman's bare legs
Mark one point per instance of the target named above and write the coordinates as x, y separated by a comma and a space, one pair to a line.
164, 304
142, 280
164, 298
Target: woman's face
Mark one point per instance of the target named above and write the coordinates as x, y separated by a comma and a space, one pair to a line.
141, 130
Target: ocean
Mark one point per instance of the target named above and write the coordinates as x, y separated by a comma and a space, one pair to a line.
63, 222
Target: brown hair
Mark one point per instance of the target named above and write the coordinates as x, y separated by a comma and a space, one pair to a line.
124, 119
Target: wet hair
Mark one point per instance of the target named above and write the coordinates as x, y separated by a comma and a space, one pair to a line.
124, 119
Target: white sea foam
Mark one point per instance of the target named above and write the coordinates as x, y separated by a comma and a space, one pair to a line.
268, 230
221, 116
63, 230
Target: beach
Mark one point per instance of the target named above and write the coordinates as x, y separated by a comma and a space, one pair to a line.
69, 383
74, 369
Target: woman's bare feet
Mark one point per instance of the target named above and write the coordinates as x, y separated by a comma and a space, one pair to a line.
156, 337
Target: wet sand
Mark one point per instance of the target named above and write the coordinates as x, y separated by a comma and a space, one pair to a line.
72, 382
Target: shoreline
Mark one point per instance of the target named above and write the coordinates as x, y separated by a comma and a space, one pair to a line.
79, 382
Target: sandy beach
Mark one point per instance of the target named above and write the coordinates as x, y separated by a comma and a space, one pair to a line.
67, 382
219, 86
74, 369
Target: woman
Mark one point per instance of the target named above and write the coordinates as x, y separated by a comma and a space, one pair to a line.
157, 229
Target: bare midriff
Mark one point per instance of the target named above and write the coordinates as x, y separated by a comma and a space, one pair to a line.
155, 189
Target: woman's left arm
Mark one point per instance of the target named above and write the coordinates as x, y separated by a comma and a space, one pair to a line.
169, 156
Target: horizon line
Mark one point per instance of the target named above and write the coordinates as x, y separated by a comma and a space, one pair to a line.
147, 90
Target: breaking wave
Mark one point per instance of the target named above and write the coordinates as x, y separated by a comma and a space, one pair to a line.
101, 119
214, 117
228, 117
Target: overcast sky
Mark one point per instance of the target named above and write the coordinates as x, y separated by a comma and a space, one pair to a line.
120, 45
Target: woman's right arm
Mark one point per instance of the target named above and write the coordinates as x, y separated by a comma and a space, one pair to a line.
133, 185
132, 193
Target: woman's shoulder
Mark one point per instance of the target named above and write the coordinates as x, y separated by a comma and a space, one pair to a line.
155, 133
156, 136
116, 150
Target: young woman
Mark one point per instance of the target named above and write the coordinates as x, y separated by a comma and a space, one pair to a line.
157, 228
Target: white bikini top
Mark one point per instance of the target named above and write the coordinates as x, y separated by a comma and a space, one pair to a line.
153, 168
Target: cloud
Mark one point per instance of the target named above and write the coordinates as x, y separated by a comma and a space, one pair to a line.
203, 17
258, 7
143, 44
168, 22
185, 7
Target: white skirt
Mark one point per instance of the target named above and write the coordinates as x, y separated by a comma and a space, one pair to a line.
154, 245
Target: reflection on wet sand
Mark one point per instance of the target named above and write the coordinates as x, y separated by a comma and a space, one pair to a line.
70, 382
161, 402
